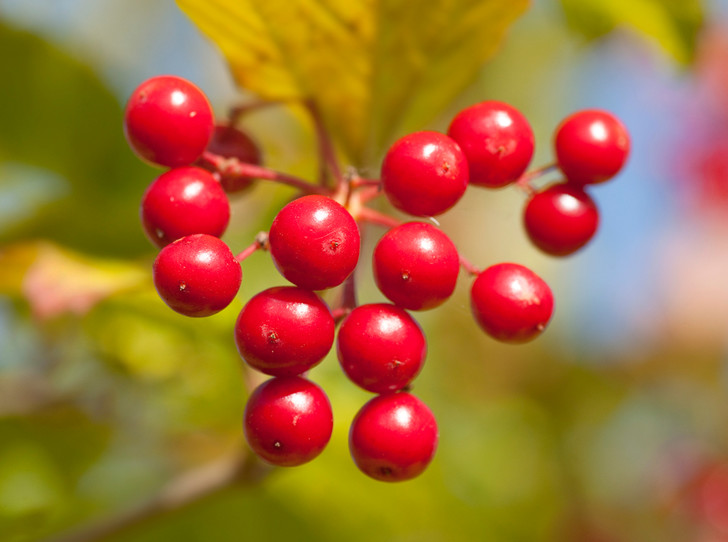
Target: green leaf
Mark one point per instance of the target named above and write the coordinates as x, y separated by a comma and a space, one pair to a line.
672, 24
370, 66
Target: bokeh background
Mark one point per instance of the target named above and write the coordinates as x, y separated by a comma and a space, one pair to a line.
611, 427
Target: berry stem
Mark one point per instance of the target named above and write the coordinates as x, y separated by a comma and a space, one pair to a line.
326, 147
365, 214
347, 302
468, 266
260, 243
237, 112
524, 181
233, 166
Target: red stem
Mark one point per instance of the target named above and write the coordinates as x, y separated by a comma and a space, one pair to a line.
326, 146
366, 214
260, 243
469, 267
524, 181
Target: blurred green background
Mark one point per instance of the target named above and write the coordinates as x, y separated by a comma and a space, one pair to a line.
611, 427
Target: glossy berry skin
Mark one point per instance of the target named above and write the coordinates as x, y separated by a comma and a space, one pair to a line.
184, 201
288, 421
168, 121
591, 146
497, 140
561, 219
416, 266
284, 331
393, 437
314, 242
511, 303
197, 275
424, 173
230, 142
381, 348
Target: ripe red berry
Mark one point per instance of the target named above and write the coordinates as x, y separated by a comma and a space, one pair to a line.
314, 242
230, 142
197, 275
424, 173
511, 303
168, 121
561, 219
416, 266
181, 202
591, 146
380, 347
497, 140
284, 331
393, 437
288, 421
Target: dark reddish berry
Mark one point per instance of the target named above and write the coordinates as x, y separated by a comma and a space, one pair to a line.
181, 202
380, 347
284, 331
511, 303
591, 146
168, 121
416, 266
393, 437
288, 421
561, 219
497, 141
314, 242
424, 173
230, 142
197, 275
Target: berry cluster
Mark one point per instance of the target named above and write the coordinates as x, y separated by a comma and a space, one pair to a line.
314, 242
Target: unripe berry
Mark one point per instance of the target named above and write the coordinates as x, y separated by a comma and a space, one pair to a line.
393, 437
168, 121
284, 331
197, 275
184, 201
380, 347
561, 219
416, 266
288, 421
314, 242
511, 303
424, 173
591, 146
497, 140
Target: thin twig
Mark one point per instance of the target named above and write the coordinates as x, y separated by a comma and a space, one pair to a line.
326, 146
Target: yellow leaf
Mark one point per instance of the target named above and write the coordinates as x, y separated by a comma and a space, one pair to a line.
370, 66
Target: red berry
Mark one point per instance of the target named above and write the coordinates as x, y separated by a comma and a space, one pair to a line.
424, 173
230, 142
393, 437
511, 303
288, 421
197, 275
561, 219
314, 242
591, 146
497, 140
168, 121
284, 331
181, 202
380, 347
416, 266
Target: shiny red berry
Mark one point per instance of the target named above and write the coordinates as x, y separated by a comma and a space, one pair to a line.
424, 173
511, 303
184, 201
231, 142
288, 421
168, 121
561, 219
393, 437
284, 331
497, 141
197, 275
416, 266
380, 347
314, 242
591, 146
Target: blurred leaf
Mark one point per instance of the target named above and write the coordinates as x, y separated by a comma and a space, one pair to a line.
370, 66
59, 117
56, 280
673, 24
